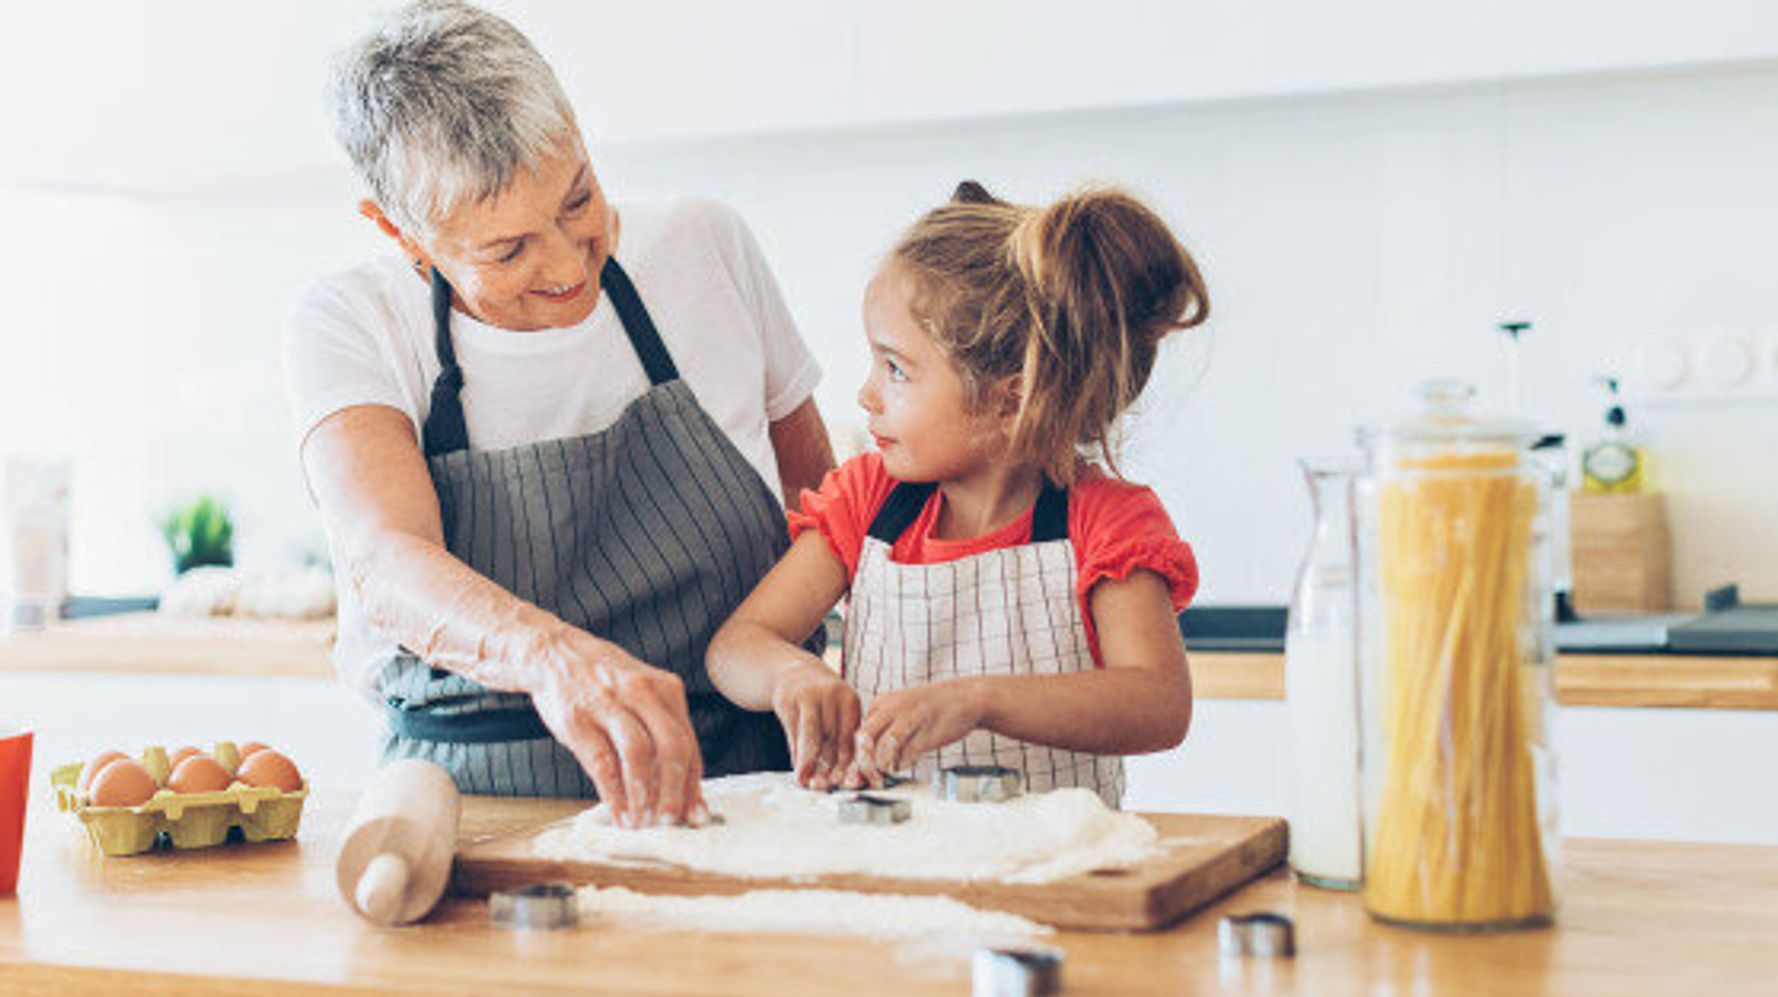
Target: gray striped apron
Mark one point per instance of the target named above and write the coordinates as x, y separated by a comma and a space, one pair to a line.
648, 533
1012, 611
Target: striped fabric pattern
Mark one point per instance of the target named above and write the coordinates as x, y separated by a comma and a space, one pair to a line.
649, 534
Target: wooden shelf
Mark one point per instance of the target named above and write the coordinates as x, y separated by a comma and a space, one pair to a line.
152, 644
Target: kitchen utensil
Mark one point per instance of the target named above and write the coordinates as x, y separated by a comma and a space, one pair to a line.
1264, 933
395, 856
867, 809
1015, 972
1198, 858
979, 783
544, 906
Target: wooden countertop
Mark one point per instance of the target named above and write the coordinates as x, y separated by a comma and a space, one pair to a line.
149, 644
1651, 680
1636, 919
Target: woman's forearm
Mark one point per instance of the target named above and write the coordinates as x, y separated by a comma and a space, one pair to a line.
452, 617
1109, 711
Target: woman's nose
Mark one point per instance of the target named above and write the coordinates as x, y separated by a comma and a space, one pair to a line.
566, 261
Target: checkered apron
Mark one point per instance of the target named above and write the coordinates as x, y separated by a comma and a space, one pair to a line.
1005, 612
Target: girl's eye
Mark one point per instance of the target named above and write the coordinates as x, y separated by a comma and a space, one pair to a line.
894, 369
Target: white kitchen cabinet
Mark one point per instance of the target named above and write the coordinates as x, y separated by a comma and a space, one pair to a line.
1673, 774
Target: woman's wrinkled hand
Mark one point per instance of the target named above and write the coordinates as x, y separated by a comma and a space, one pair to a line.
627, 724
819, 712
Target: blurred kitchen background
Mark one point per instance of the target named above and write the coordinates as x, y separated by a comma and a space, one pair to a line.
1370, 186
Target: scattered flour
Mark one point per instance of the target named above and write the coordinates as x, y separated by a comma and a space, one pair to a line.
807, 912
775, 829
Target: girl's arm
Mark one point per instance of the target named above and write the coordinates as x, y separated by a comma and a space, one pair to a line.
756, 661
1139, 702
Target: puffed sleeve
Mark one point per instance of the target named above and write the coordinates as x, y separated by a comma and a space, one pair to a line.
1117, 528
841, 510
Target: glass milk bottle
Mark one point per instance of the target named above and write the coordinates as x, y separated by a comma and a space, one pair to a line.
1321, 689
1456, 654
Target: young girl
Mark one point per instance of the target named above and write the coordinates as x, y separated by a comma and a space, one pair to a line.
1011, 603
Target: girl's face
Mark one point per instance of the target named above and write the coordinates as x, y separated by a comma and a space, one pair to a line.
914, 396
529, 257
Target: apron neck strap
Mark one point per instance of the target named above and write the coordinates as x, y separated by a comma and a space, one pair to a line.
447, 432
1049, 516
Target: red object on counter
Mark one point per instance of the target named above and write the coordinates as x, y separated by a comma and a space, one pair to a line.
15, 780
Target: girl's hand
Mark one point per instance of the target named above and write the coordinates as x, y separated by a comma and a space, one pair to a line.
820, 717
902, 726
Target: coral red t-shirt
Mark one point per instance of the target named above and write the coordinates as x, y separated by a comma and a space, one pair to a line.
1116, 527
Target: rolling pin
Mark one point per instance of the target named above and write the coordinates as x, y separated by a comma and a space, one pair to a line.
395, 856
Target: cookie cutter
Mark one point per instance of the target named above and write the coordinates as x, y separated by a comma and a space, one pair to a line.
1263, 933
867, 809
1015, 972
979, 783
544, 906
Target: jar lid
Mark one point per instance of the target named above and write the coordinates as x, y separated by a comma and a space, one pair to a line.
1445, 417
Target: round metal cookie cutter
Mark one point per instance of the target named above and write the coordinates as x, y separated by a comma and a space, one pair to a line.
545, 906
978, 783
1263, 933
867, 809
1015, 972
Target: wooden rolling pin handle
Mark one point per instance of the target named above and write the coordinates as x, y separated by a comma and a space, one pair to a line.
382, 887
395, 856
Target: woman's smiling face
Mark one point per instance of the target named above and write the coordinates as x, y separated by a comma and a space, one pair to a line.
529, 257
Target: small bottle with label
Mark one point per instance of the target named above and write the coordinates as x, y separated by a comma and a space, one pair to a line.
1614, 464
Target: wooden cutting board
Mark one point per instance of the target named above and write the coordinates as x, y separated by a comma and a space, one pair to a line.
1203, 857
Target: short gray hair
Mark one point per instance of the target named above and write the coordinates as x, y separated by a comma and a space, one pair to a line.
443, 101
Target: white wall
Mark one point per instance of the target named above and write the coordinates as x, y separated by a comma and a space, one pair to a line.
1353, 244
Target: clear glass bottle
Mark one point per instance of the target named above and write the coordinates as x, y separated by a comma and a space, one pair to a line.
1455, 656
1321, 689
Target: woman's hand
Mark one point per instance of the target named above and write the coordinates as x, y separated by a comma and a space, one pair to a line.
820, 717
901, 726
627, 724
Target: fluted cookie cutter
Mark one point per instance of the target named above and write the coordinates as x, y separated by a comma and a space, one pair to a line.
867, 809
978, 783
1015, 972
1260, 934
545, 906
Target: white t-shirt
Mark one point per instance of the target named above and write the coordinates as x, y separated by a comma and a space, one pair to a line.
364, 336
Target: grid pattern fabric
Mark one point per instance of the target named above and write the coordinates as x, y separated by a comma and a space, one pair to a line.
1004, 612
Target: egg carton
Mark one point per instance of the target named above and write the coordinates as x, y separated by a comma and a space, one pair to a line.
181, 820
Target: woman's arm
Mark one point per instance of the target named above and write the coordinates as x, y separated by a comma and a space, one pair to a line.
1139, 702
804, 452
625, 721
756, 660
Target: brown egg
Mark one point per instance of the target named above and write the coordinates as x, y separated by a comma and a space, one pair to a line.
181, 754
199, 774
269, 768
249, 747
123, 783
94, 767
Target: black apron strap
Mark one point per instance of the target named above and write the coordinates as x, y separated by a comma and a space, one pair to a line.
445, 431
1049, 516
644, 338
900, 510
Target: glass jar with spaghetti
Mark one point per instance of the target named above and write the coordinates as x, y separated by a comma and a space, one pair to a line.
1456, 649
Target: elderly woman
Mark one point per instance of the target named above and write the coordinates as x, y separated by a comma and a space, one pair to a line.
547, 440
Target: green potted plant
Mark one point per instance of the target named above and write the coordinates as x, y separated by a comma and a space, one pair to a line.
199, 533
